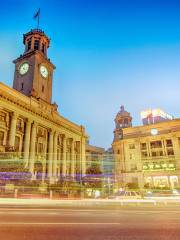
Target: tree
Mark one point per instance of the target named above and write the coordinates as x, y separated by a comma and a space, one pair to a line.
93, 178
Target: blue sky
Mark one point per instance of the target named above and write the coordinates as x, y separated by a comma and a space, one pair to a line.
106, 53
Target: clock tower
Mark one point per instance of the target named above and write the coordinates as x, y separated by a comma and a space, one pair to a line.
33, 70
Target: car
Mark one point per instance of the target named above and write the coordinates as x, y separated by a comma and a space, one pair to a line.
126, 195
162, 193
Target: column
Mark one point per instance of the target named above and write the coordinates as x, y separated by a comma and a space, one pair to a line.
12, 131
176, 149
27, 142
83, 156
72, 158
55, 155
148, 145
32, 148
64, 157
163, 146
50, 153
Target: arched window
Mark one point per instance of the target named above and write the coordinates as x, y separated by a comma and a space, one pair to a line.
29, 45
126, 121
43, 48
36, 45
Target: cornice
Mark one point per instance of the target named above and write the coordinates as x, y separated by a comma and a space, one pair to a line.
43, 110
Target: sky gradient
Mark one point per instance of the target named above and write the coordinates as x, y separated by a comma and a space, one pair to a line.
107, 53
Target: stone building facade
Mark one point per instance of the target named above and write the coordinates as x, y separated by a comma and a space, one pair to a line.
94, 156
147, 155
31, 129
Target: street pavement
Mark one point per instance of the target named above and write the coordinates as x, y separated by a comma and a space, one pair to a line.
94, 223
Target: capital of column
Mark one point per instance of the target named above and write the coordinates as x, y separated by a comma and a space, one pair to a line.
34, 125
56, 133
29, 122
64, 138
14, 115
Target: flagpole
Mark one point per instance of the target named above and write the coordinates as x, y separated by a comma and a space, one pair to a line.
38, 21
38, 17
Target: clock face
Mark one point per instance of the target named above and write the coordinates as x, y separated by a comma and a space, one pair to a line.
23, 69
44, 71
154, 131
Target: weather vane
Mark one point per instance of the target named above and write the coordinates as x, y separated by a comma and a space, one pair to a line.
37, 16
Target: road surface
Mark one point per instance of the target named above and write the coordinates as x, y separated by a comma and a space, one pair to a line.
123, 223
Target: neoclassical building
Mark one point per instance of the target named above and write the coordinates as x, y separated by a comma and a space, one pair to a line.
147, 155
31, 129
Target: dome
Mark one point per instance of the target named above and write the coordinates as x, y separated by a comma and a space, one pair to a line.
123, 113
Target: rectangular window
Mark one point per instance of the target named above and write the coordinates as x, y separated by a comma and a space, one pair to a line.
133, 167
154, 154
156, 144
170, 152
169, 143
143, 146
144, 154
131, 146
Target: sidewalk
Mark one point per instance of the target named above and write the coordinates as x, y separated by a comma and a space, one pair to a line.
87, 202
